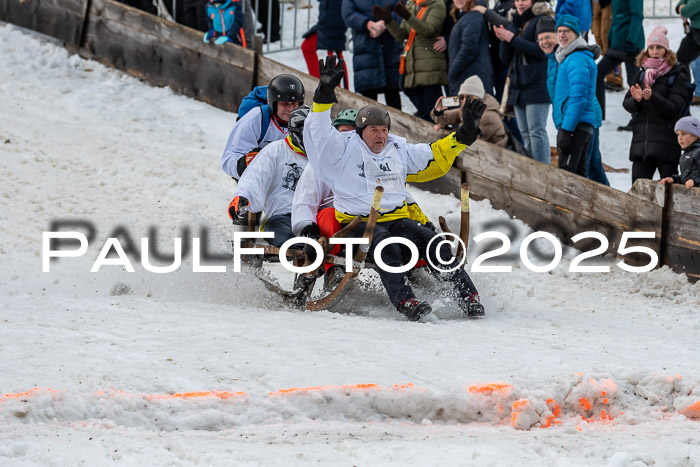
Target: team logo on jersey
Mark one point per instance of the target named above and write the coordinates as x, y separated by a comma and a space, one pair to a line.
293, 175
362, 170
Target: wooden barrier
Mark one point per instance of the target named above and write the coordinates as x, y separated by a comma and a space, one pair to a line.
545, 198
62, 19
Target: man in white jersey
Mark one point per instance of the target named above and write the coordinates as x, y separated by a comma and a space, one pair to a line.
262, 124
353, 164
268, 184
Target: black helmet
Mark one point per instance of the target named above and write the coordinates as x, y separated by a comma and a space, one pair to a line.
372, 115
296, 125
284, 88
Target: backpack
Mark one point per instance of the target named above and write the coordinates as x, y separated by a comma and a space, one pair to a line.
690, 91
257, 98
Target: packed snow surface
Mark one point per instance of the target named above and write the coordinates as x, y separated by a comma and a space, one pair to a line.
193, 368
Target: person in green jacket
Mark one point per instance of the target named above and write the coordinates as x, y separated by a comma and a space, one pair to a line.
625, 42
690, 45
423, 69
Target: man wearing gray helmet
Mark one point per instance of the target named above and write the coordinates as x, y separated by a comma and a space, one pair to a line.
353, 164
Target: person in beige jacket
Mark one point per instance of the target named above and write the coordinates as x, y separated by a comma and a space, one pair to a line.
491, 124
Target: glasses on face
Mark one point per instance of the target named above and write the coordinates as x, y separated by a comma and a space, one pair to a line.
565, 32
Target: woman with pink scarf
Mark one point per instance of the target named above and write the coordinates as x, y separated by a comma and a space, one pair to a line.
656, 101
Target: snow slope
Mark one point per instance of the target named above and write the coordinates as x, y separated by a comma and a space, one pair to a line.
117, 357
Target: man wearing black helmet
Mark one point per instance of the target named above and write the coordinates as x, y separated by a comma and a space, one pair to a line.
269, 183
262, 124
353, 164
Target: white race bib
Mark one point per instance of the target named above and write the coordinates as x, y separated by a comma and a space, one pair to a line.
383, 169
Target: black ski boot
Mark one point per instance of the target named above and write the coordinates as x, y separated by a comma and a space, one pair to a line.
303, 286
332, 278
413, 309
472, 307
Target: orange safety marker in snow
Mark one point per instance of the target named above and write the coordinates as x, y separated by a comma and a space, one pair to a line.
692, 411
345, 387
29, 393
556, 411
490, 388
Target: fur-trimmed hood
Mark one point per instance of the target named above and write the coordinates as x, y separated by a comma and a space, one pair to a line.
538, 8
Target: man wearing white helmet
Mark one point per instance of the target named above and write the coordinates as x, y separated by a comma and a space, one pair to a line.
353, 164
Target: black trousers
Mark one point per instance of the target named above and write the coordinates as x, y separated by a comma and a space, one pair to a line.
271, 7
575, 160
392, 96
647, 167
606, 65
194, 14
424, 98
689, 49
395, 283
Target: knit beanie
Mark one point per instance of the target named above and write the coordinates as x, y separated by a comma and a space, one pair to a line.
570, 22
658, 37
472, 86
546, 24
689, 125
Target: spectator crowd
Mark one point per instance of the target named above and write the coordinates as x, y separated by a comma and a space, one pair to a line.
525, 59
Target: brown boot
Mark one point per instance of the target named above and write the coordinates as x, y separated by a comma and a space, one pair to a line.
613, 81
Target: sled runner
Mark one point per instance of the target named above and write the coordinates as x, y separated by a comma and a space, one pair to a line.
300, 295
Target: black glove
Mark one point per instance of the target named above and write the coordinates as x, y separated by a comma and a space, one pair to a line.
310, 231
471, 119
331, 75
383, 14
431, 226
401, 10
238, 210
565, 140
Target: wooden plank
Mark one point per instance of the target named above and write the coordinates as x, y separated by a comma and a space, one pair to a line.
564, 223
167, 54
684, 200
62, 19
557, 186
684, 229
684, 260
648, 190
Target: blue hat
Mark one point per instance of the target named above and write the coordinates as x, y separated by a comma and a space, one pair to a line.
570, 22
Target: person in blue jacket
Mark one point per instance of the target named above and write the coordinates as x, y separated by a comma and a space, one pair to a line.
225, 21
575, 110
547, 38
468, 48
376, 54
581, 9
